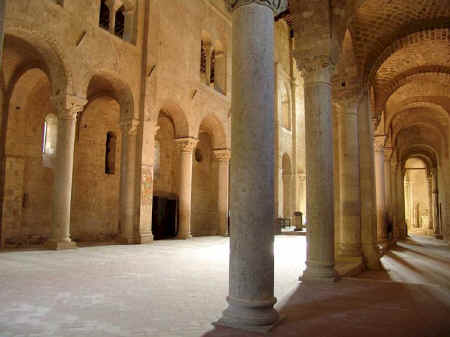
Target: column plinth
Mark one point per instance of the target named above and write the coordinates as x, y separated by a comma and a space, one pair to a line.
185, 148
251, 277
67, 107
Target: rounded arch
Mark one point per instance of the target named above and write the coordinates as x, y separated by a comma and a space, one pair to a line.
286, 166
212, 125
423, 151
50, 52
104, 83
178, 117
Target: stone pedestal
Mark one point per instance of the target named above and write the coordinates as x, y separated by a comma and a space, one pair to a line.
251, 290
185, 148
67, 108
350, 202
319, 172
222, 158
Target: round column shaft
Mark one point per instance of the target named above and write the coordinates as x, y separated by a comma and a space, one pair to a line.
222, 158
128, 182
185, 147
380, 187
67, 108
251, 288
350, 233
319, 175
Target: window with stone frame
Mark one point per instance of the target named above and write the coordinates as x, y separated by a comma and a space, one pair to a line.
110, 153
119, 27
104, 15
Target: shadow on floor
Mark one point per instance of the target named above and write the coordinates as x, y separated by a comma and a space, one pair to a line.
376, 303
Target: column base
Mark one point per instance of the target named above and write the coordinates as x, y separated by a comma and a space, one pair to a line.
319, 272
372, 257
60, 245
145, 238
439, 236
254, 316
184, 236
349, 250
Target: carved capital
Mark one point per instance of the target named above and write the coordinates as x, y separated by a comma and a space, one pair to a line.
68, 106
186, 144
277, 6
130, 126
378, 143
314, 65
222, 155
387, 153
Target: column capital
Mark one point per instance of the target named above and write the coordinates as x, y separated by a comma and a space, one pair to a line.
316, 68
222, 155
277, 6
129, 126
387, 153
378, 142
68, 106
186, 144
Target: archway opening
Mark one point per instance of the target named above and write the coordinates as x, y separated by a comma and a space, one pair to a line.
418, 197
96, 175
28, 175
165, 199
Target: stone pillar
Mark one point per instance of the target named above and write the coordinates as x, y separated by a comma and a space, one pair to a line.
394, 204
67, 109
430, 200
319, 170
407, 199
128, 230
349, 184
251, 288
387, 188
368, 188
380, 187
435, 204
2, 32
185, 148
222, 158
401, 201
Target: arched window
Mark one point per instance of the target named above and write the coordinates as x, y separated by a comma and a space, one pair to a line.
119, 27
203, 58
50, 135
285, 109
110, 153
213, 67
104, 15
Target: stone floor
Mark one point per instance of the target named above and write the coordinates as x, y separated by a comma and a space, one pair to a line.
177, 288
166, 289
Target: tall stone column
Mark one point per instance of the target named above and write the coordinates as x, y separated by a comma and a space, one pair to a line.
368, 188
407, 200
394, 194
387, 189
350, 202
128, 230
319, 170
251, 288
435, 204
430, 200
222, 158
67, 109
185, 148
380, 187
2, 32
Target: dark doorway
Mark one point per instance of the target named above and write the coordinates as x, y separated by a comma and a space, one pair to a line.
164, 220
